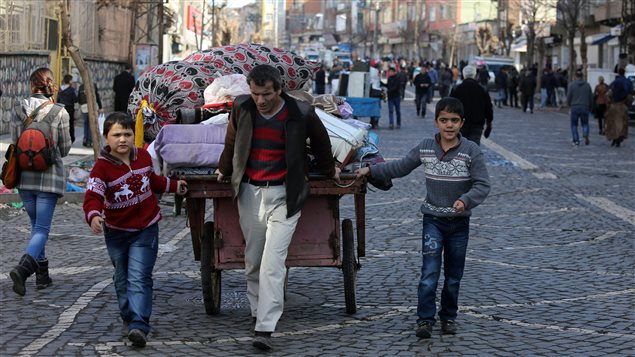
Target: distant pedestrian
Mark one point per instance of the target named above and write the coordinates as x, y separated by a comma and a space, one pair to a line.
320, 80
580, 100
476, 104
512, 88
83, 108
123, 85
403, 81
600, 97
434, 77
40, 190
393, 93
483, 77
451, 195
68, 97
617, 114
120, 202
445, 81
421, 83
501, 87
527, 90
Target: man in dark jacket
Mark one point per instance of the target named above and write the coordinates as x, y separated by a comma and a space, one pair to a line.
68, 97
266, 156
320, 80
123, 85
527, 89
477, 106
393, 93
421, 83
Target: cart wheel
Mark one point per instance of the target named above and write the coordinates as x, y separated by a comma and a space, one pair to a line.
210, 277
349, 267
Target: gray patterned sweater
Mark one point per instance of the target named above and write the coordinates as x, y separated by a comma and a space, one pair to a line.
459, 173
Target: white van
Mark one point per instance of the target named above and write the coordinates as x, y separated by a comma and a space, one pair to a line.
493, 65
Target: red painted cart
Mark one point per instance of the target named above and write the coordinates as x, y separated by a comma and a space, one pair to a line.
317, 242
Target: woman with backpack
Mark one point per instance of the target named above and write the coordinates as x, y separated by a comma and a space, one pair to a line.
40, 190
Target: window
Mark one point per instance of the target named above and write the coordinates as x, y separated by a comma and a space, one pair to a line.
433, 14
443, 12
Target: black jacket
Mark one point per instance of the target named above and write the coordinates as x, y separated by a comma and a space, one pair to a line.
476, 103
123, 85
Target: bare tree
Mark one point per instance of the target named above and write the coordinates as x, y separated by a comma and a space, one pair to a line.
89, 89
571, 14
535, 21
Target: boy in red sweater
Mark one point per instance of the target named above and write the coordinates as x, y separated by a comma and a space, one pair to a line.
120, 201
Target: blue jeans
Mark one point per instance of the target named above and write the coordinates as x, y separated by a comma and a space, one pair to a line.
133, 255
448, 236
40, 207
583, 115
394, 104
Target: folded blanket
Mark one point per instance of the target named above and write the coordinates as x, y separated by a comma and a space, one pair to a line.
183, 145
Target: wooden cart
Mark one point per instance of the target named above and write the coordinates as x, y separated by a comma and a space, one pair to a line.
319, 240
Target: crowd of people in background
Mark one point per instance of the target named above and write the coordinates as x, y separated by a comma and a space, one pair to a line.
513, 88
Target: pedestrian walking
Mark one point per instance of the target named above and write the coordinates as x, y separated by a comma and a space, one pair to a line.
266, 156
40, 190
320, 80
617, 114
600, 98
421, 83
483, 77
393, 93
476, 104
512, 88
527, 90
68, 97
445, 81
580, 100
451, 195
123, 85
501, 87
402, 75
83, 108
120, 202
434, 77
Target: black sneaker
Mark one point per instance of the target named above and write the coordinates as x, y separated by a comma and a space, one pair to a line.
262, 341
424, 329
586, 140
448, 327
137, 337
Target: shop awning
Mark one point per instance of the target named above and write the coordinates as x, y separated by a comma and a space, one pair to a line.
604, 39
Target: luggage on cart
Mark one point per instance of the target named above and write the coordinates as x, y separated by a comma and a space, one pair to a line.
345, 138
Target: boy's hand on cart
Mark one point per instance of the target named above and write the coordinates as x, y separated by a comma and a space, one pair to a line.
97, 225
181, 187
336, 177
362, 171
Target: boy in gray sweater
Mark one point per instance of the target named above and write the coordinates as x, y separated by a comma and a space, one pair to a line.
456, 182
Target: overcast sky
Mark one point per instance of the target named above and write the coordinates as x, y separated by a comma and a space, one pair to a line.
238, 3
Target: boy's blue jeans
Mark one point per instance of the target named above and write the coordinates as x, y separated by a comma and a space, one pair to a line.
448, 236
40, 207
133, 255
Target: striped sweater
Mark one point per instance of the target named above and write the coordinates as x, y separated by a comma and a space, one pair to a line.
459, 173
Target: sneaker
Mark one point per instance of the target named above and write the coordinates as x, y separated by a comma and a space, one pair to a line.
448, 327
576, 143
424, 329
391, 126
262, 341
137, 337
586, 140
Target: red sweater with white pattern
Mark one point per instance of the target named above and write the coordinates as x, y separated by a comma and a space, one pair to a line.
125, 195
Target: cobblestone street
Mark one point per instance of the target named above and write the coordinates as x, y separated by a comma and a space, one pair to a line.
549, 271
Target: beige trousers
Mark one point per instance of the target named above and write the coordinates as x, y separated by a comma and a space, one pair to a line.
268, 232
